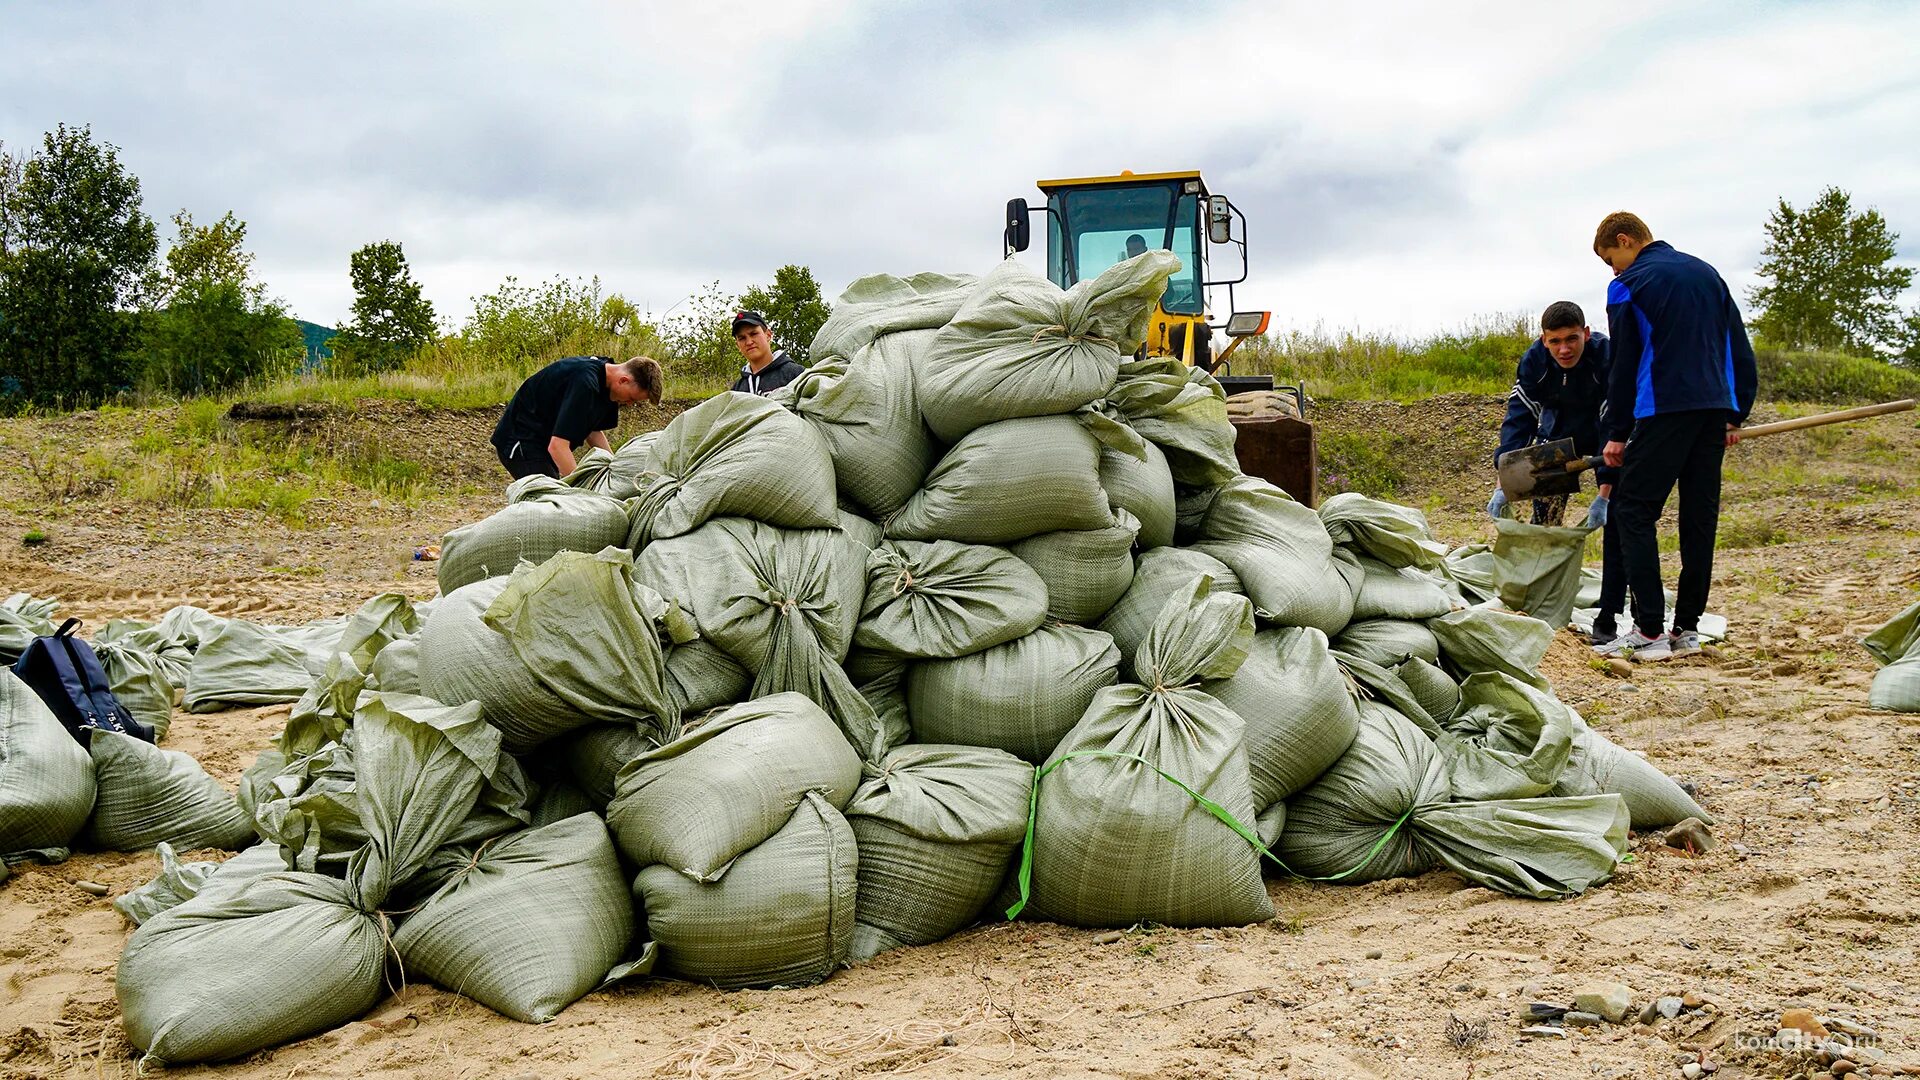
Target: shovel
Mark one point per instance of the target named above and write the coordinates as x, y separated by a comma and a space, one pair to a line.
1549, 469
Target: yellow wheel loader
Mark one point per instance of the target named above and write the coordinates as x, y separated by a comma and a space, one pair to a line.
1094, 222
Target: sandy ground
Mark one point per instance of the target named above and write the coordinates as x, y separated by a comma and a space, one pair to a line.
1811, 899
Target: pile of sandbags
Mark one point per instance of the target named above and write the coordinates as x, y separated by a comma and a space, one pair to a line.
977, 617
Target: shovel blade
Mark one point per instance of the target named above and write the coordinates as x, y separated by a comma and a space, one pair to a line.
1539, 472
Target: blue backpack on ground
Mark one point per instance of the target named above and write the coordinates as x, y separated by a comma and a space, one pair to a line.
67, 675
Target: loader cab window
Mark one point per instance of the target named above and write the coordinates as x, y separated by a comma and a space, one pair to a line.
1101, 221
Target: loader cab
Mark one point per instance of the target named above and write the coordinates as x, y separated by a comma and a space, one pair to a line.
1094, 222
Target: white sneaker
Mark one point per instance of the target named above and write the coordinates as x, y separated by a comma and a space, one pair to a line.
1683, 643
1660, 648
1630, 642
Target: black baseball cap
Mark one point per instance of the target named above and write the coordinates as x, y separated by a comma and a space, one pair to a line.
747, 318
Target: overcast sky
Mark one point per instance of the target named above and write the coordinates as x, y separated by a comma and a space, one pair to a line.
1402, 170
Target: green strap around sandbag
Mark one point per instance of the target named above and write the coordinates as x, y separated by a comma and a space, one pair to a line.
1211, 807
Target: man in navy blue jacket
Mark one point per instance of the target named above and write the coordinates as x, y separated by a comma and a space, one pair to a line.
1683, 382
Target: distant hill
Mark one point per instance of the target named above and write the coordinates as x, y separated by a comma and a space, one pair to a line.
317, 337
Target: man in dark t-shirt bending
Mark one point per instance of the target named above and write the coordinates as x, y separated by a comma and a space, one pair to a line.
565, 404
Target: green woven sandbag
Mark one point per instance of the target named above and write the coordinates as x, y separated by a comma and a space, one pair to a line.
866, 412
865, 533
1598, 765
881, 304
1300, 715
542, 516
593, 756
397, 668
1470, 569
782, 916
592, 470
1437, 693
1898, 640
1120, 833
629, 461
559, 799
1008, 481
246, 664
1537, 569
526, 924
1143, 489
701, 800
1183, 411
733, 455
1020, 697
175, 884
1396, 535
1157, 575
148, 796
463, 659
943, 599
1388, 642
144, 666
291, 953
1896, 687
936, 828
46, 778
1021, 346
1086, 571
1509, 740
701, 676
1384, 810
1279, 551
1488, 639
23, 617
1383, 592
782, 602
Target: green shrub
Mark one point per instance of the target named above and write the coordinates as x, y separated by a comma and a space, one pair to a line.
1479, 358
1831, 378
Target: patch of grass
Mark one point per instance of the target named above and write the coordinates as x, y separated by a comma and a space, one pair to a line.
1748, 532
1368, 463
1478, 358
1831, 378
34, 538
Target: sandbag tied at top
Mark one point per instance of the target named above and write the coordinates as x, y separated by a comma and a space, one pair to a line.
1896, 687
629, 461
1008, 481
1143, 487
291, 953
882, 304
149, 796
1021, 346
525, 924
46, 778
783, 915
1279, 551
1537, 569
782, 602
1487, 639
1300, 715
865, 411
698, 802
1086, 571
542, 516
1388, 642
1508, 740
941, 599
1020, 697
937, 827
1181, 410
1157, 575
1385, 810
1120, 834
733, 455
1396, 535
592, 470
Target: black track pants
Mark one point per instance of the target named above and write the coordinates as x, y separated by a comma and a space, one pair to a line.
525, 459
1681, 449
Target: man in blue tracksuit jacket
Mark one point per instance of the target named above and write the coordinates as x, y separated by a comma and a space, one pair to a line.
1560, 392
1683, 382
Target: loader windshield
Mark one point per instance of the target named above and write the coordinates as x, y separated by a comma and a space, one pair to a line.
1104, 223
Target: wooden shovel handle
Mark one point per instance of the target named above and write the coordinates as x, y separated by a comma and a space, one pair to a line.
1860, 413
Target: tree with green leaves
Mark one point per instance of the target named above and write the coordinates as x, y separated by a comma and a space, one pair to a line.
391, 319
76, 257
215, 327
793, 308
1828, 279
527, 326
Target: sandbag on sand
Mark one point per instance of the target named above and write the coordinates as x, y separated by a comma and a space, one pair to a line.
733, 455
936, 828
1279, 551
1008, 481
1897, 645
1020, 697
149, 796
46, 778
542, 516
1120, 835
1021, 346
942, 599
783, 915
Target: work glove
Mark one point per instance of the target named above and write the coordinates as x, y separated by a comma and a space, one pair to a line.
1497, 505
1597, 513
